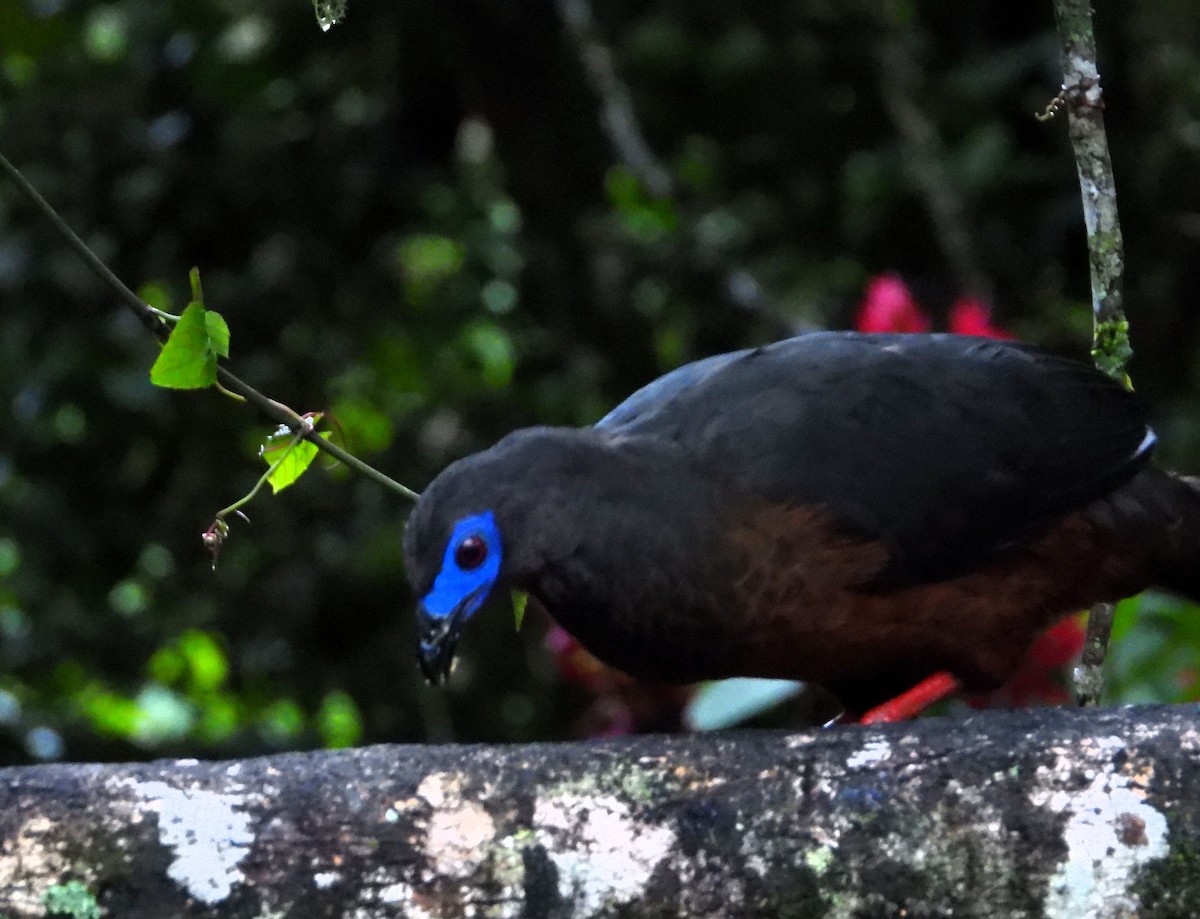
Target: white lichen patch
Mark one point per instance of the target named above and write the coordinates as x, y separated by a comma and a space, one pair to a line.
208, 834
796, 741
871, 755
396, 893
436, 787
323, 880
1189, 740
457, 838
604, 856
1111, 832
383, 887
754, 859
29, 861
459, 830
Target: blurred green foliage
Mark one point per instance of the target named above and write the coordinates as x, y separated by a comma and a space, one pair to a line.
416, 223
71, 899
1155, 639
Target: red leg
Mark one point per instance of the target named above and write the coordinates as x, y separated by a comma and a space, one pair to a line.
913, 701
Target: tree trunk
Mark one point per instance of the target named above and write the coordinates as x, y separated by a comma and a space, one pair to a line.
1053, 812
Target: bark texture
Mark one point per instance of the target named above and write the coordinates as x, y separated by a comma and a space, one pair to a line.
1085, 124
1048, 813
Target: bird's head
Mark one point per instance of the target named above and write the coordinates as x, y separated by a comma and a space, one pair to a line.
466, 574
484, 521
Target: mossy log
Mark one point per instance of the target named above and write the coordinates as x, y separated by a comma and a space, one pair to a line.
1056, 812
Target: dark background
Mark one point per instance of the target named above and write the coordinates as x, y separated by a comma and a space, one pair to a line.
417, 222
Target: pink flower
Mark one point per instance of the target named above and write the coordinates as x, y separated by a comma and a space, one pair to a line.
619, 704
888, 306
969, 316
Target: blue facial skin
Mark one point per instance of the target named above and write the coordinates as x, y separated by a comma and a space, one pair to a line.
456, 593
459, 593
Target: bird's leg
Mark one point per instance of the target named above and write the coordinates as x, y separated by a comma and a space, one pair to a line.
912, 702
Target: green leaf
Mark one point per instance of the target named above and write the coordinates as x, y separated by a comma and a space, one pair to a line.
194, 283
520, 599
218, 332
292, 457
189, 358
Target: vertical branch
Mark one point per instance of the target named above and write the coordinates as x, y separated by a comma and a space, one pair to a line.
1085, 125
1084, 103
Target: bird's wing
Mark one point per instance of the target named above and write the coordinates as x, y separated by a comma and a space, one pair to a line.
944, 447
644, 403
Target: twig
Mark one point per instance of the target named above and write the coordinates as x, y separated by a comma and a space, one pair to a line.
149, 317
616, 107
1082, 99
620, 125
153, 321
926, 161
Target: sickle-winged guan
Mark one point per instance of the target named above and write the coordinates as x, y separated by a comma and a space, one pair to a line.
860, 511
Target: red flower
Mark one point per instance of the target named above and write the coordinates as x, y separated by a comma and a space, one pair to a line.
1041, 678
888, 306
969, 316
1058, 645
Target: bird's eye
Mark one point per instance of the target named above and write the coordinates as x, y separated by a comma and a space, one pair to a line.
470, 553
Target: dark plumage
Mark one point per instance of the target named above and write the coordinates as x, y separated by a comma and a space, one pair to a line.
856, 510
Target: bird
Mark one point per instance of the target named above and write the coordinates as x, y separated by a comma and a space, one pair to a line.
885, 515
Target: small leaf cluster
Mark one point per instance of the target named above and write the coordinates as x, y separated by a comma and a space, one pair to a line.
199, 338
189, 357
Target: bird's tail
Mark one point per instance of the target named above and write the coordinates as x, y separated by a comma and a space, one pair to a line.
1181, 559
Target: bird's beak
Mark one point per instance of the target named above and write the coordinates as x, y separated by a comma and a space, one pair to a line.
438, 638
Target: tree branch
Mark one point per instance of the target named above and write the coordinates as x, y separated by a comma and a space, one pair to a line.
619, 122
1055, 812
616, 106
1082, 98
276, 411
925, 159
1085, 125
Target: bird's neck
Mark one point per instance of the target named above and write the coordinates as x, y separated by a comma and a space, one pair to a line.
624, 554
